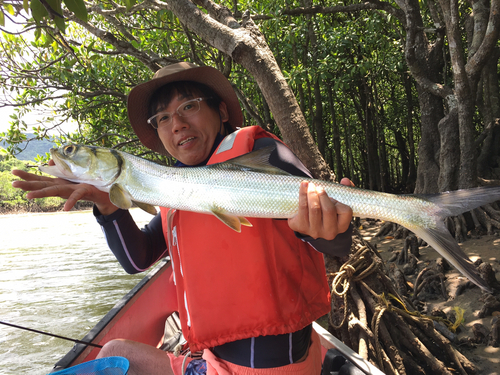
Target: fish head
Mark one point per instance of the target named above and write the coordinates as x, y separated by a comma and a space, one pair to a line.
97, 166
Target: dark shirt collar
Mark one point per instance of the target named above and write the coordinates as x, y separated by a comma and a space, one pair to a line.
217, 141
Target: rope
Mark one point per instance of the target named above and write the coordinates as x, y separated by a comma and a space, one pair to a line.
359, 267
388, 306
346, 275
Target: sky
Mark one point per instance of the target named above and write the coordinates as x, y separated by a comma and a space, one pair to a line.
4, 118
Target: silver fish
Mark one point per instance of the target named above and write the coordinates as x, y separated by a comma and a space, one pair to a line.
248, 186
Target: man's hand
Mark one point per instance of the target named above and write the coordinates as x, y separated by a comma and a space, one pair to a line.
42, 187
320, 216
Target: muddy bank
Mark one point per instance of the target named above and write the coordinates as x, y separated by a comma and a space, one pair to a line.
35, 208
474, 336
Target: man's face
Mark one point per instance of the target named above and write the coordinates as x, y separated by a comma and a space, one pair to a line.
190, 139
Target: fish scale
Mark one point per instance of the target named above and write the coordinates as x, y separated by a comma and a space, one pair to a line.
248, 186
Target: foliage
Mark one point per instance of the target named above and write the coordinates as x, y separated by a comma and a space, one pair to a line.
9, 196
8, 163
32, 148
12, 199
347, 69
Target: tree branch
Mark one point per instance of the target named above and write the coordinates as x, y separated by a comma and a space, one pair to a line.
416, 43
121, 45
478, 60
247, 46
369, 5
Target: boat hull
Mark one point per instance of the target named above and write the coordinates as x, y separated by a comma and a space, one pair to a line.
141, 314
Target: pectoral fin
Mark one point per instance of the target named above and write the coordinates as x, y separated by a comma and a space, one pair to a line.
120, 197
146, 207
232, 221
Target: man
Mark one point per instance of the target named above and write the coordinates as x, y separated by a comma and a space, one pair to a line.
246, 299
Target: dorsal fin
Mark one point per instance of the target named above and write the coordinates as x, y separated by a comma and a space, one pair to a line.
255, 161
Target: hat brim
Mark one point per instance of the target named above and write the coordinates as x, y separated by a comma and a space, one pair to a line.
140, 96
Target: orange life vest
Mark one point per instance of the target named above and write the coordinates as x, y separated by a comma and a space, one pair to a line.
232, 286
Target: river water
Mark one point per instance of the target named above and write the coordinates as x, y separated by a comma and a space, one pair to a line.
56, 275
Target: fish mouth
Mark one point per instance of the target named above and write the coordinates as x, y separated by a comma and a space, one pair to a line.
59, 162
184, 141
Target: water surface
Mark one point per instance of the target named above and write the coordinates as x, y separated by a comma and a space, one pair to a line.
56, 275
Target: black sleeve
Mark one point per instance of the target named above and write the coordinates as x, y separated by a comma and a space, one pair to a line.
283, 158
136, 249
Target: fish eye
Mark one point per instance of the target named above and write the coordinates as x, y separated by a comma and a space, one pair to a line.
68, 150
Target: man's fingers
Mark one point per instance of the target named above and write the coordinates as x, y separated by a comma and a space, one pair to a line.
303, 189
344, 216
298, 221
75, 197
345, 181
316, 198
25, 175
318, 215
303, 213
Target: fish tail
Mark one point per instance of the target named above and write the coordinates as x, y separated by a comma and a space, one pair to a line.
441, 240
454, 203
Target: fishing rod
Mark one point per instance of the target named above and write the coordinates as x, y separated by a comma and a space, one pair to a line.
51, 334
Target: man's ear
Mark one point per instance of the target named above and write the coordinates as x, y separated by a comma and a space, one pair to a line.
224, 115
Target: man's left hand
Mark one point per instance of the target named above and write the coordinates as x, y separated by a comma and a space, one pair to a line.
320, 216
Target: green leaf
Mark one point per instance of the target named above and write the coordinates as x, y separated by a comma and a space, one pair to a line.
38, 32
10, 9
78, 8
26, 5
56, 7
2, 18
38, 10
129, 3
91, 45
48, 40
61, 25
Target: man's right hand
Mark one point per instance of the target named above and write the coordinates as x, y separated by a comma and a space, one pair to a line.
43, 187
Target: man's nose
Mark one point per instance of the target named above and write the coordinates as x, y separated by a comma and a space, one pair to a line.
178, 122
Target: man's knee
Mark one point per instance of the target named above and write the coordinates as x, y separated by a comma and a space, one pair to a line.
118, 347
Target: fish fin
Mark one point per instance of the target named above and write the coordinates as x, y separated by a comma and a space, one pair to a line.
442, 241
453, 203
232, 221
150, 209
120, 197
256, 161
244, 221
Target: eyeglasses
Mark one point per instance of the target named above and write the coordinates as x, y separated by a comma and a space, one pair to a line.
186, 109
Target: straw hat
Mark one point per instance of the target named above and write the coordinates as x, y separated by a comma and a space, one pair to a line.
139, 98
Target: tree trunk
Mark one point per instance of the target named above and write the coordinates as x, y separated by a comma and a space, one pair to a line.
412, 169
318, 119
378, 113
372, 158
405, 160
425, 66
488, 161
449, 155
337, 148
247, 46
